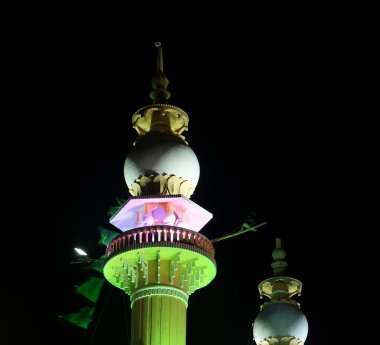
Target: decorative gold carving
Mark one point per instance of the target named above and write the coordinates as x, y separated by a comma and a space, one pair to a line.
280, 286
160, 118
268, 286
163, 184
160, 83
281, 341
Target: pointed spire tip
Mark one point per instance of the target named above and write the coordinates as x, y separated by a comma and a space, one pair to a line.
278, 243
160, 94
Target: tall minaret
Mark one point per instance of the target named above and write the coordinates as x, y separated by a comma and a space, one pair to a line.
160, 259
280, 320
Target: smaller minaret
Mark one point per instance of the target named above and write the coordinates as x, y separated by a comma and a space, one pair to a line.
280, 320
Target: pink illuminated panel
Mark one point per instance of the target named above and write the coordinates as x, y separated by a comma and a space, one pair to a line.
171, 210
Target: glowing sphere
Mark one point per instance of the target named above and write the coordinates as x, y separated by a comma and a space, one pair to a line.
280, 320
161, 153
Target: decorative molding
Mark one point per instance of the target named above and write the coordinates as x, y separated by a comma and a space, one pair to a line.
281, 341
280, 301
161, 236
160, 118
174, 264
159, 291
269, 286
163, 184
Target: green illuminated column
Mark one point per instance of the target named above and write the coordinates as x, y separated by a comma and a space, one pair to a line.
159, 319
160, 276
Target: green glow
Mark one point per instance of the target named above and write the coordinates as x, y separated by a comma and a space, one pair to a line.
82, 318
91, 288
193, 270
159, 281
106, 236
158, 320
80, 251
159, 290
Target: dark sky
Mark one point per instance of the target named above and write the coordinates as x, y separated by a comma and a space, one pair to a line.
267, 125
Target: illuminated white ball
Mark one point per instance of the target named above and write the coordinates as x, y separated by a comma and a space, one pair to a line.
280, 320
161, 153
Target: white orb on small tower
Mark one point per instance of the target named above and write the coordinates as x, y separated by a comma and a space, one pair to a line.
280, 319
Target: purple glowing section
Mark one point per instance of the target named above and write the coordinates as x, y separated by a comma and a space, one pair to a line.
170, 210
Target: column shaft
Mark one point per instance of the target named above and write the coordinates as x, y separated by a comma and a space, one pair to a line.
158, 320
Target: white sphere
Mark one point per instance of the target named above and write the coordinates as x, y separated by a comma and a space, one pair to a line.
161, 153
280, 320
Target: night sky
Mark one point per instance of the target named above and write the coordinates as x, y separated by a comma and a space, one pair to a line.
267, 126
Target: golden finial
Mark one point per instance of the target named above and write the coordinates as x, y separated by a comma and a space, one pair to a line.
160, 116
279, 255
160, 94
280, 286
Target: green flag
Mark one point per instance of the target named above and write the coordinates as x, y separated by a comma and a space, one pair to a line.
91, 288
106, 236
81, 318
97, 264
114, 209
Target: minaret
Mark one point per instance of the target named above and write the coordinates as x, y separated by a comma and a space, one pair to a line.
160, 259
280, 320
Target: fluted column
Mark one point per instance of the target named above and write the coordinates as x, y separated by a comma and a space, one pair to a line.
158, 320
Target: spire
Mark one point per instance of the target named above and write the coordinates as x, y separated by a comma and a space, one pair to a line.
279, 264
160, 117
280, 286
160, 94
